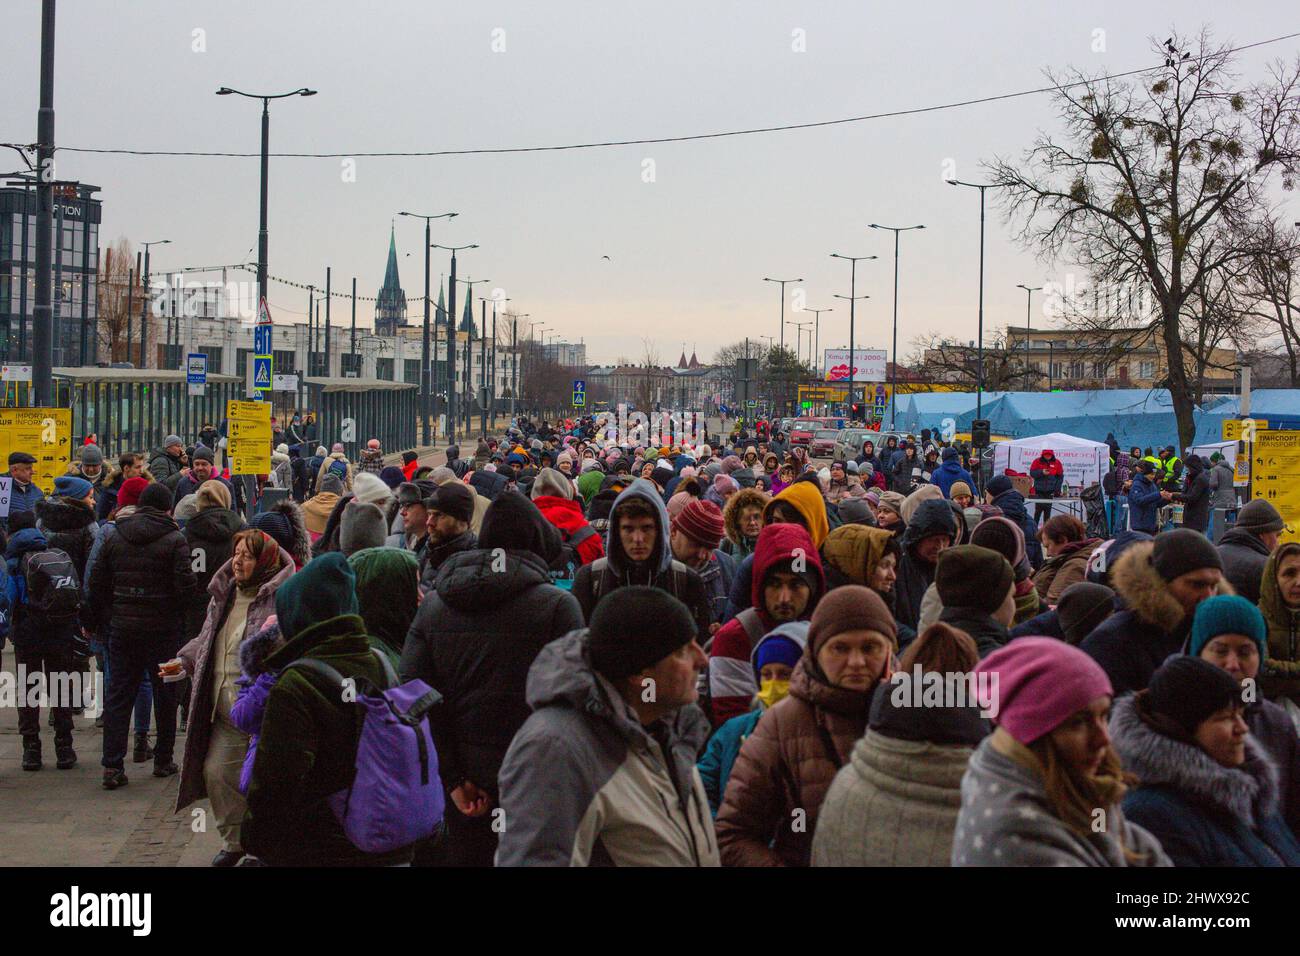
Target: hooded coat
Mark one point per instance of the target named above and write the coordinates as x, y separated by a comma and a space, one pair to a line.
660, 571
142, 579
1203, 813
585, 783
950, 472
1244, 556
1279, 673
1196, 495
1012, 504
1068, 566
915, 575
732, 683
1047, 473
1223, 492
210, 535
896, 801
1133, 642
734, 542
787, 765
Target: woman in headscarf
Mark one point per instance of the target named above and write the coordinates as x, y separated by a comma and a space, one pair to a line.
243, 597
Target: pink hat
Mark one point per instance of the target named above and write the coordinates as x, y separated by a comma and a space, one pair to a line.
1040, 682
678, 502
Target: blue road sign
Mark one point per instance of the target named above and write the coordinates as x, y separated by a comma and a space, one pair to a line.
262, 340
579, 399
262, 373
579, 386
196, 368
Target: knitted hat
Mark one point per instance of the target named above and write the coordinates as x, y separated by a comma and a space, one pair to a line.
1227, 614
1182, 551
370, 488
392, 476
172, 440
784, 645
975, 577
212, 494
1003, 536
324, 589
202, 454
1184, 691
277, 525
892, 501
701, 521
725, 485
1259, 517
91, 455
551, 482
362, 526
388, 592
455, 499
186, 508
408, 457
958, 488
70, 486
643, 626
129, 493
850, 608
678, 502
331, 484
998, 484
156, 495
373, 443
1082, 607
1041, 682
856, 511
338, 449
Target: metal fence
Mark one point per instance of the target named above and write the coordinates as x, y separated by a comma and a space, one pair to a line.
378, 409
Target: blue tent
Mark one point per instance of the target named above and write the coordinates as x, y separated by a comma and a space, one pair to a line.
929, 409
1280, 407
1135, 416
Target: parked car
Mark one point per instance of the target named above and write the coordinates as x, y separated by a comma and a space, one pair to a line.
848, 442
823, 443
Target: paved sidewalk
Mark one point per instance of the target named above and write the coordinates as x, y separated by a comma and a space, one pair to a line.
65, 818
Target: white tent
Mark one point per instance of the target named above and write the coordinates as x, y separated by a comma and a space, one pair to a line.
1084, 461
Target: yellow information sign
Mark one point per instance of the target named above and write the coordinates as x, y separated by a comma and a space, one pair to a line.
45, 434
1276, 476
1232, 428
248, 437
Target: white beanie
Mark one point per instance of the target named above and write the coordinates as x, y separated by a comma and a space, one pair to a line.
370, 488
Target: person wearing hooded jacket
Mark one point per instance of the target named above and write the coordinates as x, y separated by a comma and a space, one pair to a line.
1208, 791
598, 774
554, 497
950, 471
1160, 583
770, 808
1049, 477
931, 530
637, 551
1196, 495
1000, 493
860, 554
1279, 602
743, 520
786, 584
464, 641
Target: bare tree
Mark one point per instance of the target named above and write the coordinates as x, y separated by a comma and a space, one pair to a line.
116, 274
1270, 290
938, 360
1155, 178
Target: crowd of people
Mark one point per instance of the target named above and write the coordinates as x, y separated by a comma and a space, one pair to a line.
680, 655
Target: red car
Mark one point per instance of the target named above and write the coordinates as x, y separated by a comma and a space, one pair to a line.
802, 429
823, 443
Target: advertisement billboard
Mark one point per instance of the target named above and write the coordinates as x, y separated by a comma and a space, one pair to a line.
870, 365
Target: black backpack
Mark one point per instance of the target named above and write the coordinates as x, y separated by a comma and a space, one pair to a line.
53, 586
565, 567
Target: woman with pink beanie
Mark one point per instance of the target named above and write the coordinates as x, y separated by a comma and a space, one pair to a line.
1045, 788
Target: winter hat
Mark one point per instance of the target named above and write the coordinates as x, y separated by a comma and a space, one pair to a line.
1181, 551
186, 508
891, 501
949, 454
725, 485
412, 492
731, 463
1002, 535
282, 449
277, 525
331, 484
1259, 517
642, 627
373, 443
782, 645
856, 511
203, 454
388, 592
172, 440
370, 488
324, 589
392, 476
441, 475
701, 521
157, 495
455, 499
551, 482
212, 494
1082, 608
850, 607
972, 576
913, 501
321, 452
408, 457
91, 455
362, 526
678, 502
959, 488
338, 449
998, 484
129, 493
663, 471
1183, 692
71, 486
1041, 682
1227, 614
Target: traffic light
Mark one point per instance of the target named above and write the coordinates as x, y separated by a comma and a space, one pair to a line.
857, 409
979, 433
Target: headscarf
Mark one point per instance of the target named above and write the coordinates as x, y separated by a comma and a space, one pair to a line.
266, 554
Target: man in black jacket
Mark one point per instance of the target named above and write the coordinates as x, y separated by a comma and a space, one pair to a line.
931, 530
449, 509
137, 593
1245, 547
490, 612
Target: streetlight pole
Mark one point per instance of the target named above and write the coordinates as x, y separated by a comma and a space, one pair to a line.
43, 315
469, 351
979, 381
426, 376
1029, 297
493, 399
451, 339
144, 299
893, 351
853, 298
817, 331
782, 283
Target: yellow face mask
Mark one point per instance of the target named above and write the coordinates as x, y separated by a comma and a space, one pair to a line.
772, 691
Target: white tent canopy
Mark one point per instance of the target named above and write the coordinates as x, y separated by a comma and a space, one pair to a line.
1084, 461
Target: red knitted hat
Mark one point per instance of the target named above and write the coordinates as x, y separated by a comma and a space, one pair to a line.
701, 521
129, 493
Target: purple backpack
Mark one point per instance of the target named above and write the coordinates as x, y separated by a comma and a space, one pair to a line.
396, 797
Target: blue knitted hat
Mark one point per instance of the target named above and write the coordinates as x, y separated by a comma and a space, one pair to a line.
1227, 614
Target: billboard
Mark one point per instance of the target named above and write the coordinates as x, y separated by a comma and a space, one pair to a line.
870, 365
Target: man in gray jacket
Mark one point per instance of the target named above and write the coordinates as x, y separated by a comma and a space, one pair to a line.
603, 771
1245, 547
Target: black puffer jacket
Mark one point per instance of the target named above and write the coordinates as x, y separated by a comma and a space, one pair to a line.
209, 533
69, 526
142, 578
932, 517
434, 556
1196, 497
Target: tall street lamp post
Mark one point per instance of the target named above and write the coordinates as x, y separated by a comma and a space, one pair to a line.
893, 351
979, 372
853, 298
451, 339
426, 386
1029, 298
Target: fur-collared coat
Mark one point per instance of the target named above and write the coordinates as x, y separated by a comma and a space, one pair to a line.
1132, 643
735, 543
1203, 813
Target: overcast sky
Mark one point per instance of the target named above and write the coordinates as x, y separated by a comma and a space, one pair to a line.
689, 249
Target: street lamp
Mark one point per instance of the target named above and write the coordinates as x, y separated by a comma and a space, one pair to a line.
893, 352
979, 380
426, 387
144, 299
853, 298
266, 142
782, 283
1029, 296
469, 346
451, 339
817, 331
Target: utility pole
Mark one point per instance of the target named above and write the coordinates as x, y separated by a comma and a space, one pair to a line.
427, 377
352, 346
328, 297
42, 318
893, 351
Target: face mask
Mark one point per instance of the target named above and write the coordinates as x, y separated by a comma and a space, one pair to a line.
773, 691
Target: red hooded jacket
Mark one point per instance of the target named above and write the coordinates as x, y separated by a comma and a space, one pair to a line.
567, 516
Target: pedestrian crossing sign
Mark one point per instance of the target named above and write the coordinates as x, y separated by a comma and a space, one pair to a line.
262, 373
